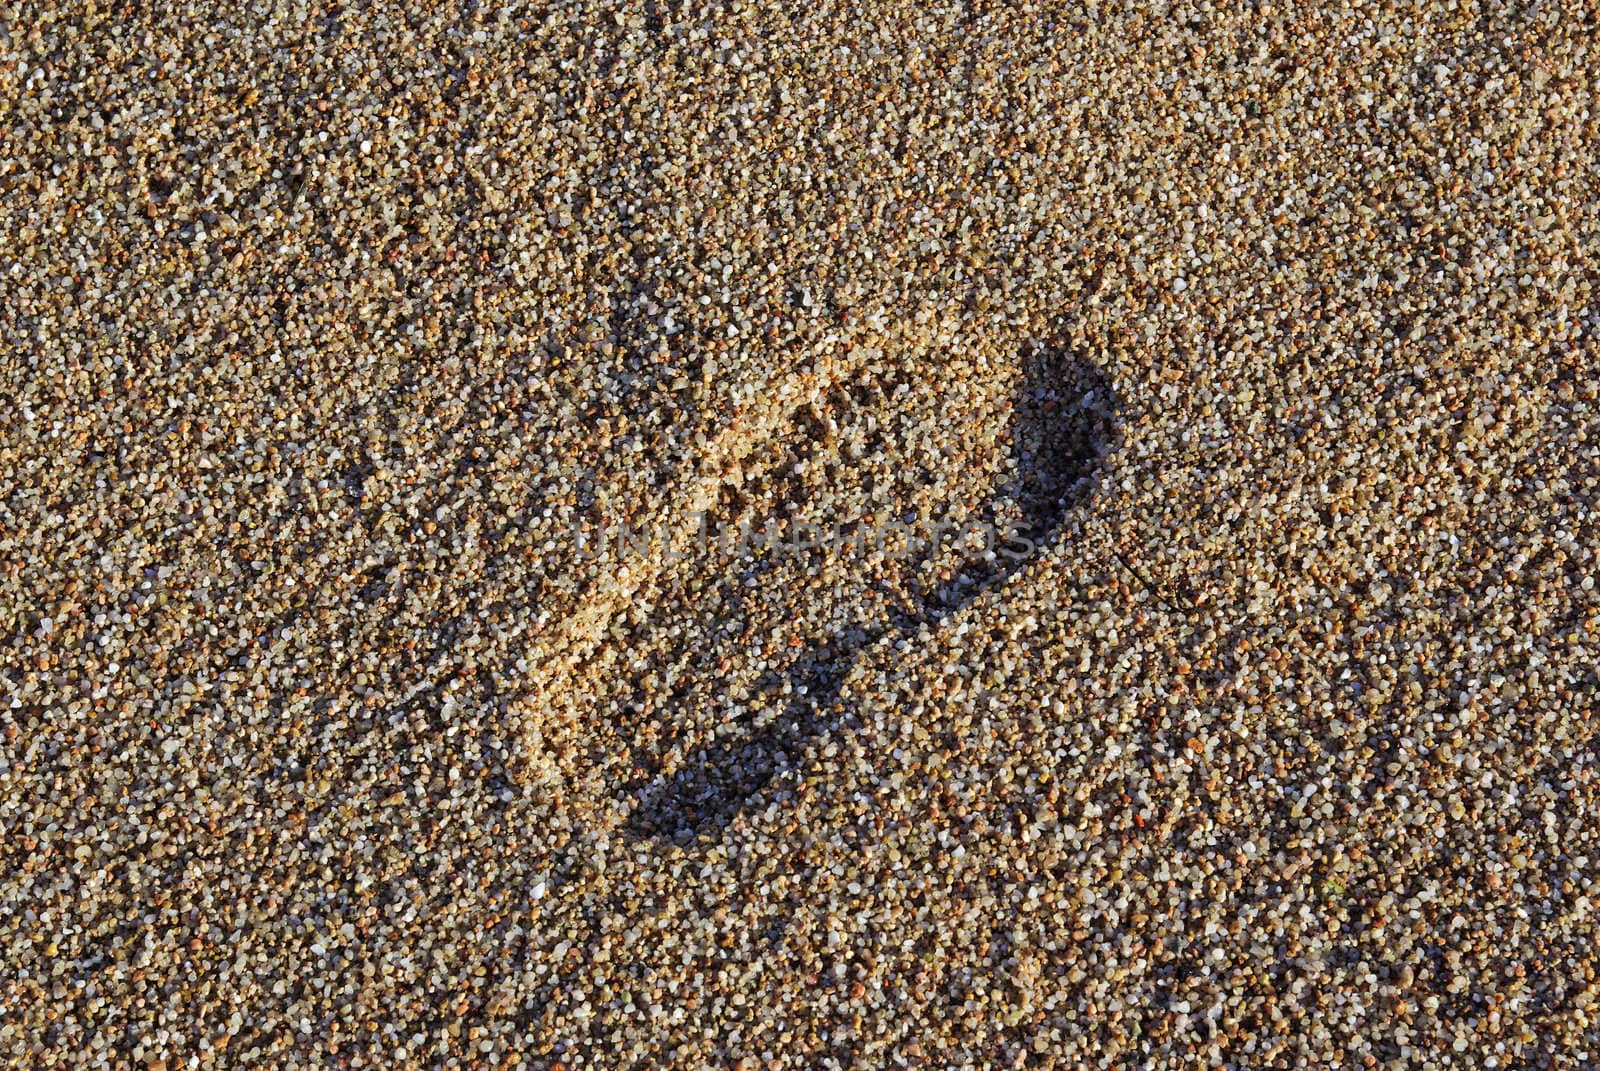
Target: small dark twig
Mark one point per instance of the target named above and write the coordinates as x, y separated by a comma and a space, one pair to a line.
1155, 591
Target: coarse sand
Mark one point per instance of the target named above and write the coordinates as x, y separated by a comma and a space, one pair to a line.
817, 535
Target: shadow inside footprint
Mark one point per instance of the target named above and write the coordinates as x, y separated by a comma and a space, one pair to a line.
1061, 424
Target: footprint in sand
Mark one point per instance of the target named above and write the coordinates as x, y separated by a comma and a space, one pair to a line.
820, 527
